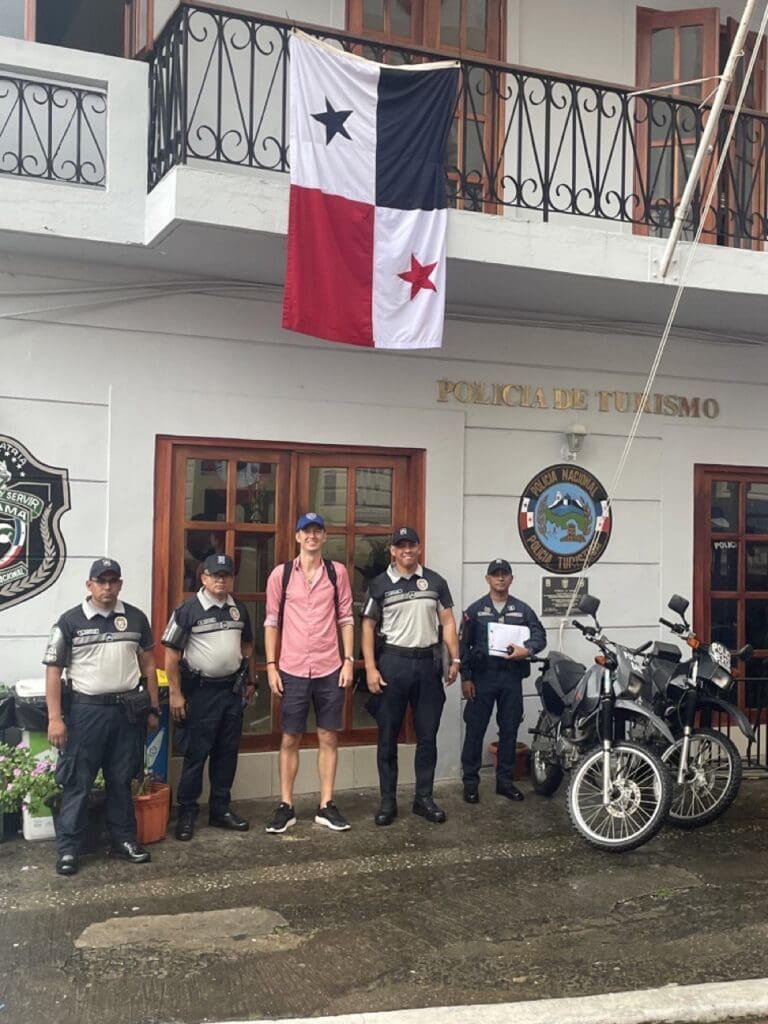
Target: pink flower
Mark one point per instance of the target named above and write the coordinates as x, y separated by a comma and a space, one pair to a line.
23, 745
17, 772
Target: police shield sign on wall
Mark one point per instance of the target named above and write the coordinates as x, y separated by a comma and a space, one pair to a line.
33, 498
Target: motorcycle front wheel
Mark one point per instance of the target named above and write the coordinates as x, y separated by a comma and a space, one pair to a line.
546, 774
711, 778
639, 798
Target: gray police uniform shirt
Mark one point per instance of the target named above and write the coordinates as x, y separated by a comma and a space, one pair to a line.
99, 649
209, 634
406, 607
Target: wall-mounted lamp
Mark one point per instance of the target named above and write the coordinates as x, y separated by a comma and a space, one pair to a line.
574, 438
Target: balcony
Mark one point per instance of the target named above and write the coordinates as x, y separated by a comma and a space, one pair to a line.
525, 144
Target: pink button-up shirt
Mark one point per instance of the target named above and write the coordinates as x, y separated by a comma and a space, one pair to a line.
309, 639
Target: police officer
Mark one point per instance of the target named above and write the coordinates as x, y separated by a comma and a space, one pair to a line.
105, 646
405, 605
208, 691
490, 679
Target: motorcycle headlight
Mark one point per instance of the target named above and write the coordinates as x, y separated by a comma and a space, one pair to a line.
721, 678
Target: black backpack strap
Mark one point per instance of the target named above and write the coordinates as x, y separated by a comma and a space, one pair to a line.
330, 568
287, 570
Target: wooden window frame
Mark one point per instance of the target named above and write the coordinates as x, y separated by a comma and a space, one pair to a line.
426, 34
704, 476
649, 20
291, 496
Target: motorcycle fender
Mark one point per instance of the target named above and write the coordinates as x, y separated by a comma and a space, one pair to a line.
637, 709
732, 711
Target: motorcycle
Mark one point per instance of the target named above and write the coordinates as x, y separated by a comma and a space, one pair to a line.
620, 791
704, 763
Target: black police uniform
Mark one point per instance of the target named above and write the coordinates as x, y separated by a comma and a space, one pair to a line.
498, 681
211, 638
405, 610
99, 651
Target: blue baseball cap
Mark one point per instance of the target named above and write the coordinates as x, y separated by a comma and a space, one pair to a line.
310, 519
219, 563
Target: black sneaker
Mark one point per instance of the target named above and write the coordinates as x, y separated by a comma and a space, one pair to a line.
283, 818
331, 817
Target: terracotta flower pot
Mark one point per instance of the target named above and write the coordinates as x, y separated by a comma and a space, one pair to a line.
522, 764
152, 811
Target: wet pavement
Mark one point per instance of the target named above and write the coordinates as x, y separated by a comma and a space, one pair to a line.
503, 903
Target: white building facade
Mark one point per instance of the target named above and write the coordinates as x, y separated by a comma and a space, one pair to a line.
140, 294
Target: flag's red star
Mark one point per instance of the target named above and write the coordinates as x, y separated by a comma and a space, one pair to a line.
418, 276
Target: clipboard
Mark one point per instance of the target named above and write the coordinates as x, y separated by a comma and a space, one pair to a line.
501, 635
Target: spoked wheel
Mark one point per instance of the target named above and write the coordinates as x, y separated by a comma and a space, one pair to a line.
639, 798
711, 778
545, 772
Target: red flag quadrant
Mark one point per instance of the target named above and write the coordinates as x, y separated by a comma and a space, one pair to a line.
328, 284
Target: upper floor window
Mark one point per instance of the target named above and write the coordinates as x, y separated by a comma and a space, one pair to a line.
114, 27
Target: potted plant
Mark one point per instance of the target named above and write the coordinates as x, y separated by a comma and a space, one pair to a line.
152, 806
27, 780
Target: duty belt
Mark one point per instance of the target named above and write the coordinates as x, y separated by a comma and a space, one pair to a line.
100, 698
411, 652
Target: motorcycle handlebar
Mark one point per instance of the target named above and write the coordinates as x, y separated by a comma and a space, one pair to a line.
641, 648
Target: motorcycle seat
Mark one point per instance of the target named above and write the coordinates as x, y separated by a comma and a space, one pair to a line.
566, 671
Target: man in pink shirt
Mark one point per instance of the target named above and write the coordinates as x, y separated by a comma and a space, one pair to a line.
302, 622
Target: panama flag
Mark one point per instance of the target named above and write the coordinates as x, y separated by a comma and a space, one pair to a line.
367, 218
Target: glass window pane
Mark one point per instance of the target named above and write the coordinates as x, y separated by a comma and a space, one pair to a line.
371, 558
757, 508
476, 21
373, 497
725, 564
724, 621
756, 683
12, 18
450, 22
401, 18
373, 15
662, 56
361, 719
255, 495
198, 544
335, 548
660, 114
473, 149
254, 560
691, 58
205, 495
757, 566
328, 494
756, 624
256, 613
725, 506
661, 172
258, 717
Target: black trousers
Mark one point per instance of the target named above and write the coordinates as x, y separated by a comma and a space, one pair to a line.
210, 732
505, 691
418, 682
98, 736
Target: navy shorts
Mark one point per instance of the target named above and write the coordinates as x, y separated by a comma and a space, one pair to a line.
323, 692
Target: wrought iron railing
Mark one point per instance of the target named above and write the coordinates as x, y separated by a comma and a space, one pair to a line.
52, 131
540, 143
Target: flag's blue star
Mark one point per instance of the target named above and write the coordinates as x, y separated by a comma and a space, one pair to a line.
333, 121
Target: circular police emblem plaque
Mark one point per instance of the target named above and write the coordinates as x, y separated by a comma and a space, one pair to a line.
234, 613
121, 623
422, 584
564, 519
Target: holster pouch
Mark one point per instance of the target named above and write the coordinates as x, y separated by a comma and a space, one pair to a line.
136, 705
190, 679
241, 678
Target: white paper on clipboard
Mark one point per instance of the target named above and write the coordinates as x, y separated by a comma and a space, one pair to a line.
501, 635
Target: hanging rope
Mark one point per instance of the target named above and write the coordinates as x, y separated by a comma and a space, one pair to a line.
672, 313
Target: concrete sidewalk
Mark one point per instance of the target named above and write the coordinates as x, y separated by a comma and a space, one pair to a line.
491, 916
726, 1001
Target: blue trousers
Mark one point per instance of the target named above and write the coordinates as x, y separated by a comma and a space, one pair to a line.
210, 732
97, 737
418, 682
505, 692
